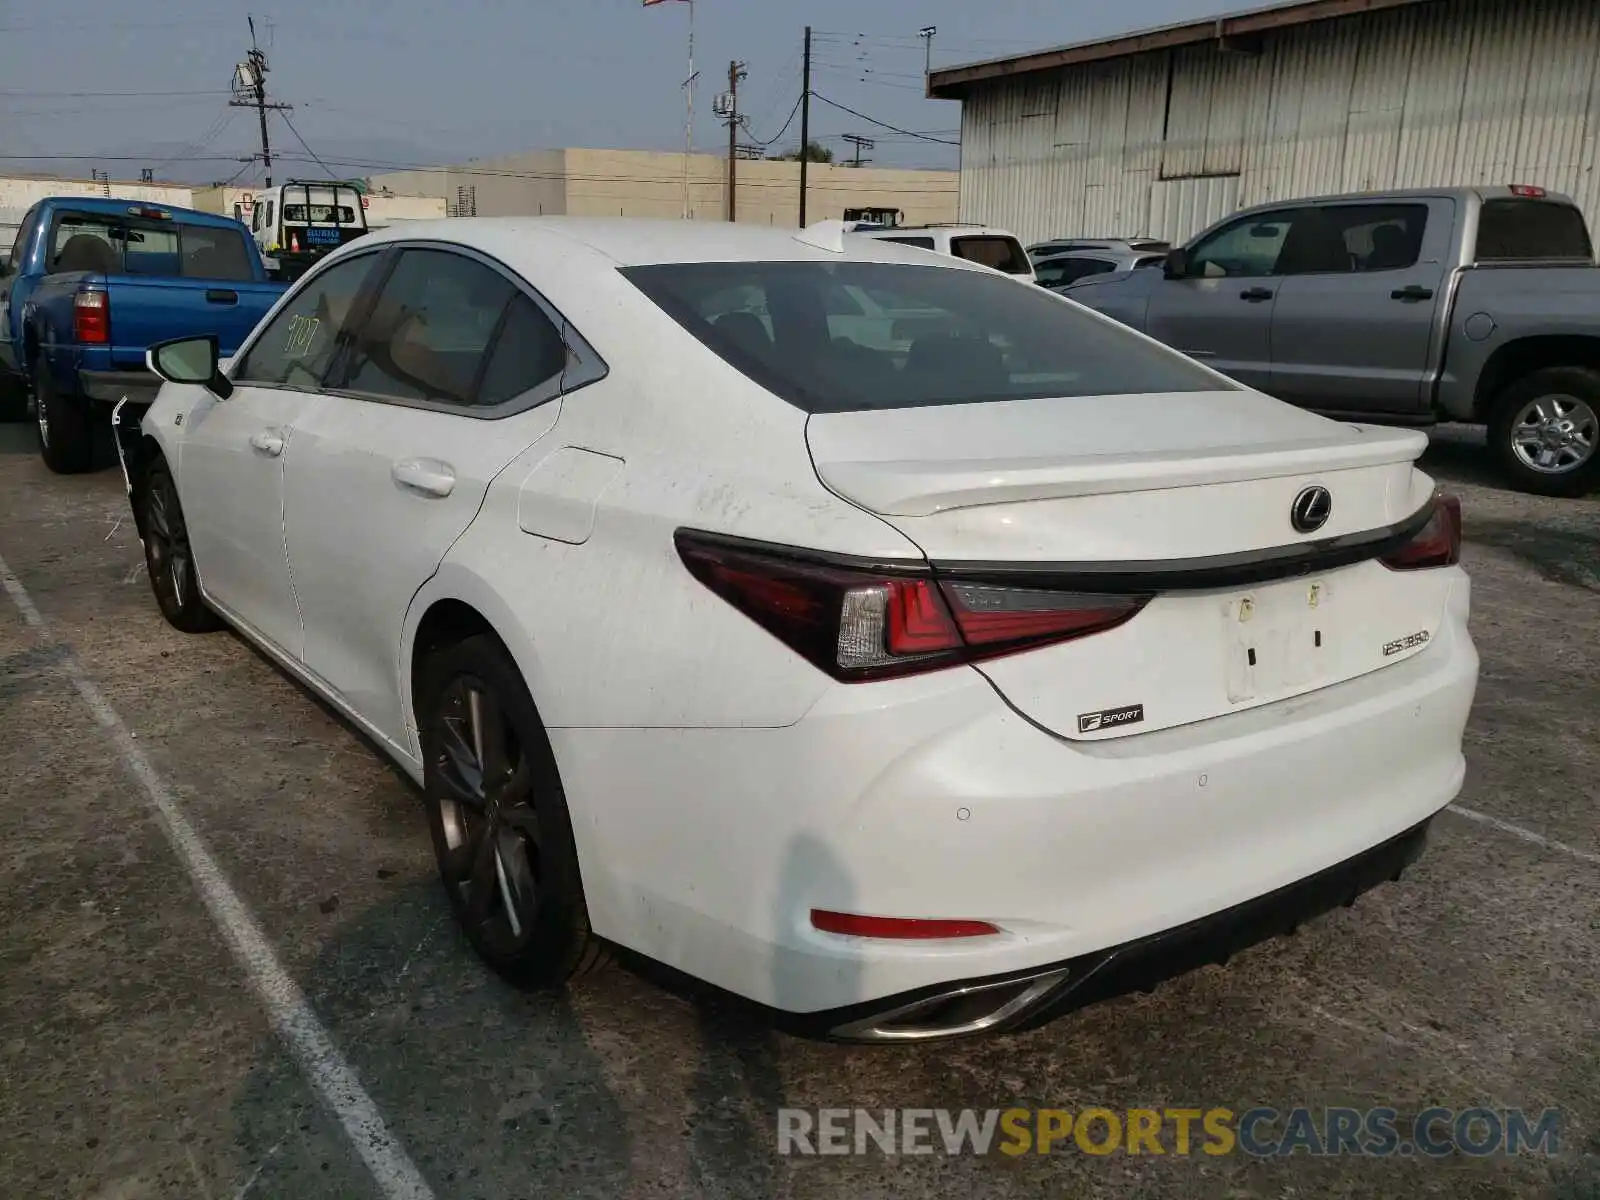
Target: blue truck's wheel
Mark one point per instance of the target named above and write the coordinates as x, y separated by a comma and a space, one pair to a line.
66, 431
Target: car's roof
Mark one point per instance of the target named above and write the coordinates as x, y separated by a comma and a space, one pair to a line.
638, 241
116, 207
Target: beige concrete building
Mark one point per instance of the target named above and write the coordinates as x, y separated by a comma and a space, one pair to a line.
642, 183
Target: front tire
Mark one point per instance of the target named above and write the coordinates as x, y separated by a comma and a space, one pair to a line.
501, 831
66, 430
169, 557
1545, 429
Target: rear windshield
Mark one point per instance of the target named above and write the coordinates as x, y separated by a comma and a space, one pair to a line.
321, 214
1001, 253
115, 246
1524, 229
851, 336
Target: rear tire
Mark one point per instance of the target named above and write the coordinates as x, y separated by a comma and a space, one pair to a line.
1545, 430
66, 427
501, 831
168, 556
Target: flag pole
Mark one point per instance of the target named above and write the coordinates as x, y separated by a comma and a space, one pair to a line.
688, 124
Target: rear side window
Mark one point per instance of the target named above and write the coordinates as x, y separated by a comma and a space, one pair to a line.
1003, 254
852, 336
1520, 229
214, 254
528, 351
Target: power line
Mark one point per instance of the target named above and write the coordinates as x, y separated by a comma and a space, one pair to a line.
108, 95
781, 132
302, 141
883, 124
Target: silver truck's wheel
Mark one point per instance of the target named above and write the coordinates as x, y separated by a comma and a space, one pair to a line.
1546, 430
1554, 434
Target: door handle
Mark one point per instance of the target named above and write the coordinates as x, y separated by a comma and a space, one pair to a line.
1413, 292
1255, 295
426, 475
221, 296
269, 441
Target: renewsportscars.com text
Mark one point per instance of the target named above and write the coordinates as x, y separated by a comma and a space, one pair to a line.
1260, 1132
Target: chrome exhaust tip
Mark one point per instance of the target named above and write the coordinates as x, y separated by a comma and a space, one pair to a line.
969, 1009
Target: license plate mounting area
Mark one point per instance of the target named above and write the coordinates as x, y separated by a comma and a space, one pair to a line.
1277, 640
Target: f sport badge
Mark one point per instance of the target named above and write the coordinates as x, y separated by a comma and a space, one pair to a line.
1110, 718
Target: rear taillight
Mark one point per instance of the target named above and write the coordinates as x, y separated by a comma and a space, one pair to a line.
870, 622
91, 317
1437, 544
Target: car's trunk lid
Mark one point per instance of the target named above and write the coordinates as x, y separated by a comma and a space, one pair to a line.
1186, 497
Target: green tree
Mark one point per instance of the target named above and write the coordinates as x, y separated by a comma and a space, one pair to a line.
814, 152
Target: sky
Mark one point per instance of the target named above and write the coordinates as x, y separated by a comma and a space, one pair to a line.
419, 82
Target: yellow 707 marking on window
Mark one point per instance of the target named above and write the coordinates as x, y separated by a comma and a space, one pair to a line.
302, 332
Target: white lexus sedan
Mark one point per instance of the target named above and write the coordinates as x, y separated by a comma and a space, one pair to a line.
904, 648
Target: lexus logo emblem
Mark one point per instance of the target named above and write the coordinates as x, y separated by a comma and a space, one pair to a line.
1311, 510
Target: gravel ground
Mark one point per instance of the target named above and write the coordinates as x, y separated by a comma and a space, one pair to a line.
138, 1061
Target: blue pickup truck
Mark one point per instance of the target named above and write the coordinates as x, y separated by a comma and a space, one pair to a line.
91, 283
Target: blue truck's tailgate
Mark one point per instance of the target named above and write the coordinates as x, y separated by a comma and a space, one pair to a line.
147, 309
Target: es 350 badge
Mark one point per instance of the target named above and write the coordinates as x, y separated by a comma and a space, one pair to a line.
1410, 642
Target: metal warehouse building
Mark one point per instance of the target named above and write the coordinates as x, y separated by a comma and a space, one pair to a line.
1162, 132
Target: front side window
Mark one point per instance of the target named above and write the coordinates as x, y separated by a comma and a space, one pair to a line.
430, 330
921, 243
1249, 248
925, 335
297, 347
1068, 270
1001, 253
20, 246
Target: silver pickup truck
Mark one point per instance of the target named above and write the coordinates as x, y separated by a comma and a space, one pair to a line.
1446, 304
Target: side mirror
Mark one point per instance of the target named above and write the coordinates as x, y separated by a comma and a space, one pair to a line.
190, 360
1177, 264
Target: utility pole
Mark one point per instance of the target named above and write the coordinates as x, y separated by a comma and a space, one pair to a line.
860, 143
250, 91
727, 106
805, 125
926, 34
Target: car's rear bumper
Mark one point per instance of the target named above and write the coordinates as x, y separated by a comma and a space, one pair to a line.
140, 387
708, 849
1027, 999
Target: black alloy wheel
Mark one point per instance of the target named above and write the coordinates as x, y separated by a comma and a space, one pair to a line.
169, 558
501, 831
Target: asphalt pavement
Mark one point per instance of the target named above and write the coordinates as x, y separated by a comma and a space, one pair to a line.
208, 872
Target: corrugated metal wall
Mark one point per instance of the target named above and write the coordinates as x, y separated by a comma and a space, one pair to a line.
1449, 92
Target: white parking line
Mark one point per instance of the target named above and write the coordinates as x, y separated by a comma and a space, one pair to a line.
1526, 835
396, 1176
